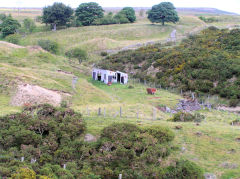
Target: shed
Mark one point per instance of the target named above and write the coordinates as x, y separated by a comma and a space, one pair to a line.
108, 76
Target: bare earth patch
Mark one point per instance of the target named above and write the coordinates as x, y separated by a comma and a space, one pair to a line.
32, 94
10, 45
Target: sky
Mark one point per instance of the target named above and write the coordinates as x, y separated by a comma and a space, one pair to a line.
226, 5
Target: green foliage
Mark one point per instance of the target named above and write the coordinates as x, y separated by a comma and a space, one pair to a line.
130, 14
234, 102
208, 20
13, 38
58, 14
87, 13
187, 117
50, 135
9, 26
163, 12
49, 45
104, 54
77, 53
29, 25
184, 170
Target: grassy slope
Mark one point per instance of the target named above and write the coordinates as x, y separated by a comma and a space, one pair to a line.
209, 150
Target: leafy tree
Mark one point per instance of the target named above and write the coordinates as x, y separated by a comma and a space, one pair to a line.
29, 25
78, 53
163, 12
57, 15
9, 26
130, 13
87, 13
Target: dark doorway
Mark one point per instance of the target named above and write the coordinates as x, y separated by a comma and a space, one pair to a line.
99, 77
122, 79
109, 79
94, 75
118, 77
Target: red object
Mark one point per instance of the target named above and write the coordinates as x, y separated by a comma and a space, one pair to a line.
109, 84
151, 90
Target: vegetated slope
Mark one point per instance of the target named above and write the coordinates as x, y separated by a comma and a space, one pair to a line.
38, 70
208, 62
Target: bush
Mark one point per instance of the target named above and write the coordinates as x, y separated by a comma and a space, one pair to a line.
14, 38
187, 117
130, 87
77, 53
163, 134
233, 102
49, 45
104, 54
184, 169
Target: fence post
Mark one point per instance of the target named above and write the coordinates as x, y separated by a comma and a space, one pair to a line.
64, 166
181, 92
99, 111
120, 176
193, 97
120, 111
22, 159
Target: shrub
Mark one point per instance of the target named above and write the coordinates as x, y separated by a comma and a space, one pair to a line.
233, 102
14, 38
49, 45
187, 117
77, 53
163, 134
184, 169
130, 87
104, 54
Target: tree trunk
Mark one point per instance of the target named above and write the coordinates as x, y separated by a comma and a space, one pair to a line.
163, 22
54, 27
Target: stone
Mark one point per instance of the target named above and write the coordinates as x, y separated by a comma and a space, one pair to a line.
90, 138
209, 176
228, 165
178, 127
198, 134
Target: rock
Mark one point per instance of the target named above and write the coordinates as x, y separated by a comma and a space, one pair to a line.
238, 139
188, 105
209, 176
183, 149
178, 127
197, 124
229, 165
90, 138
198, 134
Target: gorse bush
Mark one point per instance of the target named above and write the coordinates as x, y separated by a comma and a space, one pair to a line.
54, 137
14, 38
207, 63
77, 53
49, 45
187, 117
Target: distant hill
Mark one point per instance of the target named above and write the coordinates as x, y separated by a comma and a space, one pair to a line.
203, 10
183, 10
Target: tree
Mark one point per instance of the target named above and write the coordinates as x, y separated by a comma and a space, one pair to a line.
163, 12
130, 13
86, 13
57, 15
29, 25
9, 26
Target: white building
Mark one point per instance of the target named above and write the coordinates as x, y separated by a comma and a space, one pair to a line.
108, 76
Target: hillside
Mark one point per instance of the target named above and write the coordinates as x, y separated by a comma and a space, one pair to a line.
205, 63
212, 144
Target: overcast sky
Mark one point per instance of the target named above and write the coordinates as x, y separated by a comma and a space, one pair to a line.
227, 5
